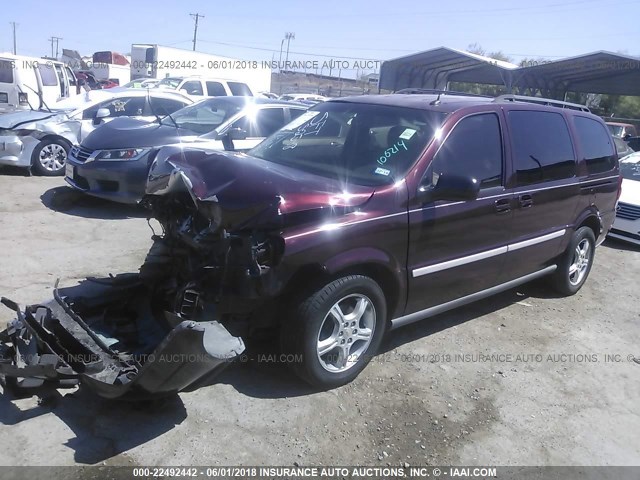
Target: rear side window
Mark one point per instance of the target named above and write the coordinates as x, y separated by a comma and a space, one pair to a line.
239, 89
6, 71
48, 75
542, 148
599, 154
216, 89
474, 148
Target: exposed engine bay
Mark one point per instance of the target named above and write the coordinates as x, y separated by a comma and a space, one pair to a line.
159, 331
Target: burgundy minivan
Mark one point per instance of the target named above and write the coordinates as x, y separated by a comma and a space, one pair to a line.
364, 214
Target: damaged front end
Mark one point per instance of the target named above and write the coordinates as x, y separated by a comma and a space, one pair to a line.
112, 335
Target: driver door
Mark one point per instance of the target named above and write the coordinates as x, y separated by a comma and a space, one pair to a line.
457, 248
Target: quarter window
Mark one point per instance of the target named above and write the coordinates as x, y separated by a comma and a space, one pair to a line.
473, 148
595, 140
542, 148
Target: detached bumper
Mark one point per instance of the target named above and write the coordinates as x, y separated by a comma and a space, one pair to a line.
50, 344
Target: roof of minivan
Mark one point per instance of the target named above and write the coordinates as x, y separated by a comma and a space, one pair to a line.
447, 103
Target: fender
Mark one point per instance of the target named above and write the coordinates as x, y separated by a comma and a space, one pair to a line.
378, 263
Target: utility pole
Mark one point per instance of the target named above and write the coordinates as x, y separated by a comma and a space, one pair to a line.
55, 40
195, 29
15, 50
288, 36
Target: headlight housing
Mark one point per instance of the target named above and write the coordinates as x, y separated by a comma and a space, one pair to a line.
120, 154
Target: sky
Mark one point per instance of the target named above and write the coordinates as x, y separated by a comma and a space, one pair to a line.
326, 30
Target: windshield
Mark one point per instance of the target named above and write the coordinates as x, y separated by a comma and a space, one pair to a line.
630, 167
169, 83
203, 116
353, 142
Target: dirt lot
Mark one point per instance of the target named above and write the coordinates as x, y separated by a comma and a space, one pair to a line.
521, 378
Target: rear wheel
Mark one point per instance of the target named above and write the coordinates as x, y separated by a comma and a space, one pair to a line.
334, 332
50, 157
576, 262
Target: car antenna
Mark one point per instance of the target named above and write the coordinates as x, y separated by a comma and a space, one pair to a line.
437, 100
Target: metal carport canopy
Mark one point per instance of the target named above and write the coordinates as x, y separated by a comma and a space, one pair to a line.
598, 72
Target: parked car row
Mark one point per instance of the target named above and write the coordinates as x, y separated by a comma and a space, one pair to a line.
357, 216
41, 139
113, 162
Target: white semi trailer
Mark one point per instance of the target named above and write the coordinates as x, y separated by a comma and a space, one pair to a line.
157, 61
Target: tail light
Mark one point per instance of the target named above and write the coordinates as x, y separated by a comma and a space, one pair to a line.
23, 99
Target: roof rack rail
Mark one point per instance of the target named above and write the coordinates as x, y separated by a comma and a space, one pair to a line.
433, 91
542, 101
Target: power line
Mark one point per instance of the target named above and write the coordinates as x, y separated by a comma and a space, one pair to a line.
56, 40
196, 16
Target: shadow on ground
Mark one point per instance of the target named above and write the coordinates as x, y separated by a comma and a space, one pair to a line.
102, 428
67, 200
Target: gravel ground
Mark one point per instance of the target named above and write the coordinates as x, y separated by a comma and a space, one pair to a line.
523, 378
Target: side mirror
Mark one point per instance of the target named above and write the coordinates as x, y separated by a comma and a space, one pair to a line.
453, 188
100, 114
237, 134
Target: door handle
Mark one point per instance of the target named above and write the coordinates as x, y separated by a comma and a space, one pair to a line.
503, 205
525, 200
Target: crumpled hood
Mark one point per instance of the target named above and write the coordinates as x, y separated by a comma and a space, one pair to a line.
126, 132
248, 188
25, 118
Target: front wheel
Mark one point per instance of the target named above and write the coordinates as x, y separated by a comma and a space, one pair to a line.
50, 157
576, 262
334, 332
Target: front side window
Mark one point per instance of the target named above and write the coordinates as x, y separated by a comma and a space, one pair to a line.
118, 107
359, 143
542, 148
164, 106
6, 71
48, 75
261, 123
599, 153
473, 148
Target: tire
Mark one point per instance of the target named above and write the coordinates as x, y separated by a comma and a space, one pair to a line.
50, 157
333, 332
576, 262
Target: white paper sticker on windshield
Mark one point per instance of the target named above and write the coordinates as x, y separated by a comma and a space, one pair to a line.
382, 171
407, 134
305, 117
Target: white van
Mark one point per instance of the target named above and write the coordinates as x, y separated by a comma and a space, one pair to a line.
199, 87
32, 83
